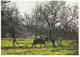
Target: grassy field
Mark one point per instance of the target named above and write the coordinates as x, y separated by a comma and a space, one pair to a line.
24, 47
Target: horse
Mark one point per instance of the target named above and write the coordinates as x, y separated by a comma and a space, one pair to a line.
39, 41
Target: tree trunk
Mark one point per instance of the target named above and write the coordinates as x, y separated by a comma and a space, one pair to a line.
3, 34
52, 39
35, 35
14, 41
53, 43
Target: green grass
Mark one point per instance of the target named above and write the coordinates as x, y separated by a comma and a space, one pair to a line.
23, 48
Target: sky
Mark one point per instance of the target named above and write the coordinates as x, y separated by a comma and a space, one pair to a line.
25, 6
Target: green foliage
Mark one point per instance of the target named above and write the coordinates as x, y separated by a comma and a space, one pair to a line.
24, 47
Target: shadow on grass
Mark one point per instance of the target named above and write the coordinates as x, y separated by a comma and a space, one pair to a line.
50, 49
18, 47
58, 48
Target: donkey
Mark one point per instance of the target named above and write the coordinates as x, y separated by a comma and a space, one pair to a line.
39, 41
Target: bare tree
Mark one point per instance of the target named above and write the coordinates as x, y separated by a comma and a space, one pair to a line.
69, 18
49, 13
55, 18
10, 20
4, 4
33, 25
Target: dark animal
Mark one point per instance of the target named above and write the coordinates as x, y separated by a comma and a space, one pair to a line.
38, 41
46, 39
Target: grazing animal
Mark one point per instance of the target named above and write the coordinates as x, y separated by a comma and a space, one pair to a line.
46, 39
38, 41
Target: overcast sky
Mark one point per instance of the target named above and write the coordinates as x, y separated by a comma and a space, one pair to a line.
27, 6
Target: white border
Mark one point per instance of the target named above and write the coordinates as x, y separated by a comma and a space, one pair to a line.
38, 55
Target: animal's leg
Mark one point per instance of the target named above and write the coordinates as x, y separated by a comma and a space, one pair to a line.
32, 45
35, 45
41, 45
44, 44
60, 42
